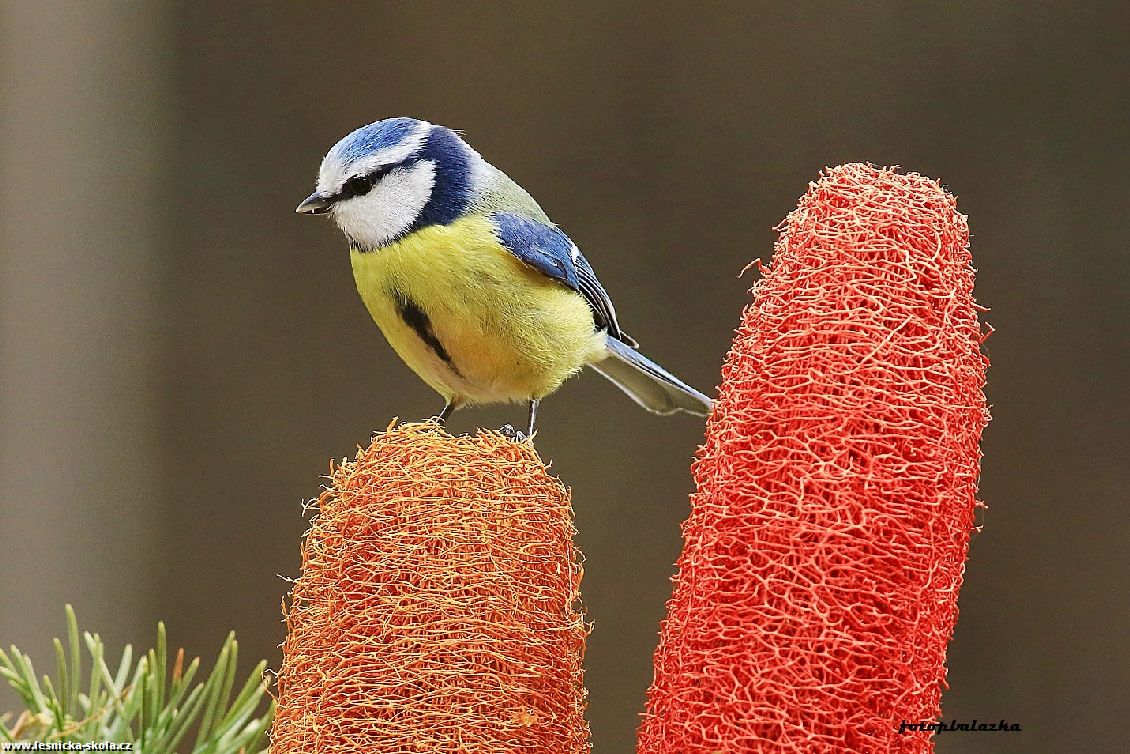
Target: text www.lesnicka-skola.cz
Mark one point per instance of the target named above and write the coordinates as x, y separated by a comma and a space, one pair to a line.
65, 746
976, 726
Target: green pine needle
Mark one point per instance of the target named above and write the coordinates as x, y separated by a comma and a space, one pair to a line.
143, 703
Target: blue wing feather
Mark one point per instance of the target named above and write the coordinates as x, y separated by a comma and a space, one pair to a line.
548, 249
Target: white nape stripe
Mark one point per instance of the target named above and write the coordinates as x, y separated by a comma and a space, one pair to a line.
333, 173
389, 210
480, 172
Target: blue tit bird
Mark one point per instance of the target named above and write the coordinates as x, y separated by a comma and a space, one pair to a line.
471, 283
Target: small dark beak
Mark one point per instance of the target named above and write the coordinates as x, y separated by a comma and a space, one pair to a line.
315, 204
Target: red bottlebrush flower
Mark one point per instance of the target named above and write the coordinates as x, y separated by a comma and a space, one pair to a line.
836, 490
438, 606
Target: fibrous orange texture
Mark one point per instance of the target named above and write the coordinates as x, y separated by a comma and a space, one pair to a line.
438, 605
836, 490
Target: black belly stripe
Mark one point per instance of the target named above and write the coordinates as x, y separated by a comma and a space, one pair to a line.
413, 316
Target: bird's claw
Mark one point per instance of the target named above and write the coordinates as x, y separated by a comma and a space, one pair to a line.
508, 431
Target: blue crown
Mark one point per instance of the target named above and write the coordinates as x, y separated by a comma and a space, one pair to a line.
374, 137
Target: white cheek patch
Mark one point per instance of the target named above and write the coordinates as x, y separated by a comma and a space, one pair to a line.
390, 208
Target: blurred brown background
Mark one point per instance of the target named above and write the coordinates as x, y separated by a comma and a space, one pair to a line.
180, 353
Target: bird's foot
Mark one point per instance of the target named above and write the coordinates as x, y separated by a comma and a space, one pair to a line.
508, 431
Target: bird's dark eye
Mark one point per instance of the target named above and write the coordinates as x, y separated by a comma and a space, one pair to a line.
358, 185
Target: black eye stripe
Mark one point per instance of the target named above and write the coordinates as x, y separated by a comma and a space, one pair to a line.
359, 185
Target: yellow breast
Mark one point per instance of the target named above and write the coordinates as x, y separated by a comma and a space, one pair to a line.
502, 331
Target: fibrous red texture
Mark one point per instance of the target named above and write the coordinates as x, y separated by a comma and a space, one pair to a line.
818, 585
438, 606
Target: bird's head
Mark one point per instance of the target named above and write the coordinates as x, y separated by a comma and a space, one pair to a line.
391, 177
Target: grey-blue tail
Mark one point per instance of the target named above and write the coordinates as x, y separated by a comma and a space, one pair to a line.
649, 384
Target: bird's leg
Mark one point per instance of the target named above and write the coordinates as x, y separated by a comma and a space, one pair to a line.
441, 417
533, 417
508, 430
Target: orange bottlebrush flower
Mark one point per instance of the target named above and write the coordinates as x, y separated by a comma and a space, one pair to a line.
438, 606
818, 585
